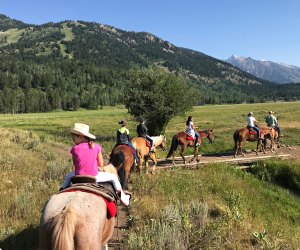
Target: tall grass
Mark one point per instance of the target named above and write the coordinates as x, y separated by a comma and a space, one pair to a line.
243, 212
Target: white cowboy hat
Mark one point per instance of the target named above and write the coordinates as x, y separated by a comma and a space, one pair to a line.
271, 112
82, 129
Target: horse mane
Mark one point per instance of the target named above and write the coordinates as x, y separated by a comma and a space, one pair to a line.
63, 229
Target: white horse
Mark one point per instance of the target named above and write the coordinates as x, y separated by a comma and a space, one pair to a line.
75, 220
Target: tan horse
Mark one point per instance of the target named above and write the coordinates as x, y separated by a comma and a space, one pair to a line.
180, 139
242, 135
271, 134
75, 220
143, 151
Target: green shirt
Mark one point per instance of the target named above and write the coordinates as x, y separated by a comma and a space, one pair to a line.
271, 121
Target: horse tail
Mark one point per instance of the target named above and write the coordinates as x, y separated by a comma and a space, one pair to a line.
63, 229
236, 136
173, 147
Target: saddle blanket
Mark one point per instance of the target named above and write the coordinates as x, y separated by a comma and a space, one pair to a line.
110, 205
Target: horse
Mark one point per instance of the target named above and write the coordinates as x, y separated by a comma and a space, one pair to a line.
75, 220
181, 139
144, 153
245, 134
127, 165
273, 135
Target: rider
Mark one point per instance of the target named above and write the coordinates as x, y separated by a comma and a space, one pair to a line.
123, 137
87, 157
191, 130
252, 124
142, 131
272, 122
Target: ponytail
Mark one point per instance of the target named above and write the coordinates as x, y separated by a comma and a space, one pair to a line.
91, 144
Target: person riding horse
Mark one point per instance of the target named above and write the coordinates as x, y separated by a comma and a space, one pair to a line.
252, 124
123, 137
273, 123
142, 131
191, 130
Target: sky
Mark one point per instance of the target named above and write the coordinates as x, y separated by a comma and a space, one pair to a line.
260, 29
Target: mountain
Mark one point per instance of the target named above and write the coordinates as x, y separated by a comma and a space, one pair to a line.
272, 71
74, 64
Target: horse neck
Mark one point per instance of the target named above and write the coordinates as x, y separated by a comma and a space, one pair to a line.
203, 133
157, 140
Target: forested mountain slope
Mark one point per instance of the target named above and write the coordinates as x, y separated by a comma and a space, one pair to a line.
75, 64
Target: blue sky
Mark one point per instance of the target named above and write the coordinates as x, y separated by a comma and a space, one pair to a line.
261, 29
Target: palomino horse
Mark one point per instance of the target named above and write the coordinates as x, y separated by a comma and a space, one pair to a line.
245, 134
143, 151
271, 134
75, 220
127, 162
181, 139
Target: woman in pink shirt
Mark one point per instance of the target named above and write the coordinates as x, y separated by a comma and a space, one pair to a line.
87, 157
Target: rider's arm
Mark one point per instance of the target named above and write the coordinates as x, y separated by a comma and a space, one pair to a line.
100, 160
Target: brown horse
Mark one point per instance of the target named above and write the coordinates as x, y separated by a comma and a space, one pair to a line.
182, 140
242, 135
143, 151
75, 220
127, 162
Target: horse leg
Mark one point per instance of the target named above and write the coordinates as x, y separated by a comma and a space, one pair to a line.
181, 154
146, 165
195, 155
153, 158
140, 167
240, 148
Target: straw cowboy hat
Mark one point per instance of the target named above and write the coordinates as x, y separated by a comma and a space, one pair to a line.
250, 113
82, 129
271, 112
123, 122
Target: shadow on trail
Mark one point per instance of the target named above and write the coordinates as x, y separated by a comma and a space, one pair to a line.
26, 239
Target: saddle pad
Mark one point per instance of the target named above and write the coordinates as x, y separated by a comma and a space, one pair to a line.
104, 189
110, 205
148, 144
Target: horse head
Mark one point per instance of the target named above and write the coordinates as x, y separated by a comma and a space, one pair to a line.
210, 135
163, 144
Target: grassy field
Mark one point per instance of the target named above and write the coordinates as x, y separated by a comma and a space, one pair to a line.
213, 207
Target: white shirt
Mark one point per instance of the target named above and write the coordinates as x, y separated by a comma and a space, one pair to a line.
251, 121
190, 129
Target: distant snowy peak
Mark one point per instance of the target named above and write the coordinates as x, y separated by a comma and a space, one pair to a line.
272, 71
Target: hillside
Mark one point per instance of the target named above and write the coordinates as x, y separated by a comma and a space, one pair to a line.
271, 71
75, 64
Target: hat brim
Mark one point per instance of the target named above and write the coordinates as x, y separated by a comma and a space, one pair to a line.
74, 131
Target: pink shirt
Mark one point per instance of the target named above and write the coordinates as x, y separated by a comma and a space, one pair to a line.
85, 158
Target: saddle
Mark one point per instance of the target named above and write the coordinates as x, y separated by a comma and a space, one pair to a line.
88, 184
252, 131
191, 138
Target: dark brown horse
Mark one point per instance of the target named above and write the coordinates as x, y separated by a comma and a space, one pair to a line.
127, 162
245, 134
181, 139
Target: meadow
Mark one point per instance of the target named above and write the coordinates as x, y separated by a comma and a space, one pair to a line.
211, 207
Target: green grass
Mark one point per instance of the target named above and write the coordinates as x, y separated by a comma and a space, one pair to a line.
240, 209
12, 35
